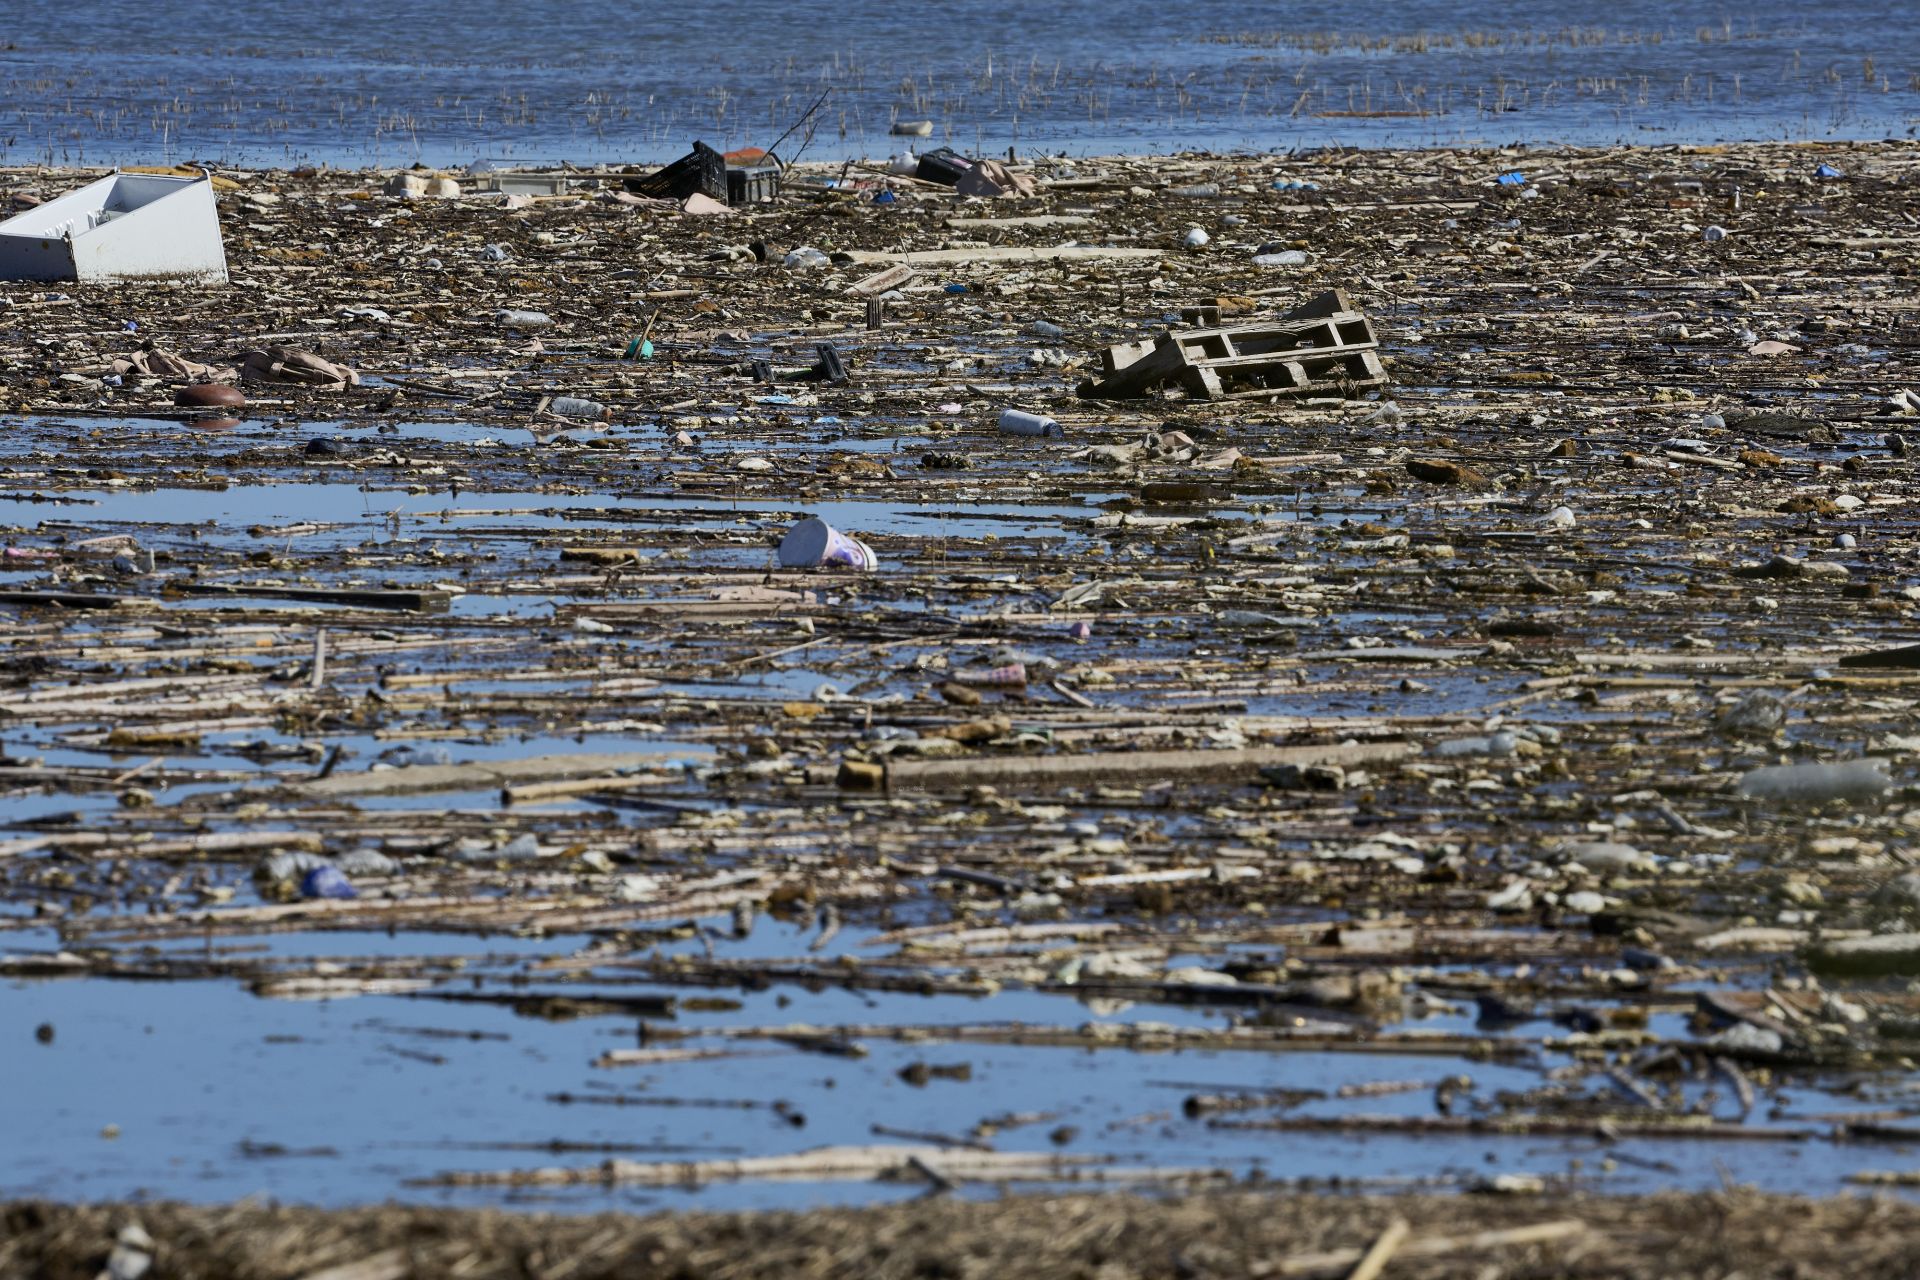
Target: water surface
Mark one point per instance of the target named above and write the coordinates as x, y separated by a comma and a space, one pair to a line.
395, 81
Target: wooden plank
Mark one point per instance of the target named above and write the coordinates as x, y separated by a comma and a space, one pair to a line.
1008, 253
1116, 358
484, 775
1203, 383
881, 281
1165, 361
1332, 302
1297, 354
62, 600
1040, 772
1280, 329
1031, 220
408, 601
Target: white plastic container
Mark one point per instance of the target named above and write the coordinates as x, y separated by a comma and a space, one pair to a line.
125, 226
1018, 422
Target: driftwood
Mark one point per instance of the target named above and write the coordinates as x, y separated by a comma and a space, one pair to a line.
411, 601
1007, 253
1347, 1262
1127, 766
487, 775
829, 1164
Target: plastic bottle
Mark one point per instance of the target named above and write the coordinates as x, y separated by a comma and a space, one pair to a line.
579, 409
509, 318
1817, 783
1018, 422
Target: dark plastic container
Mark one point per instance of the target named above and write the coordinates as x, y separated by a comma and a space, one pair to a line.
702, 170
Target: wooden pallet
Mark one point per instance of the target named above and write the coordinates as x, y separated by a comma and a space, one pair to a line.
1323, 347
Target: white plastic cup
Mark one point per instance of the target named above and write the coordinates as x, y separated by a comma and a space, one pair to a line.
1018, 422
813, 543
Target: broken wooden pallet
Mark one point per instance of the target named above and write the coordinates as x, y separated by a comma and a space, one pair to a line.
1323, 347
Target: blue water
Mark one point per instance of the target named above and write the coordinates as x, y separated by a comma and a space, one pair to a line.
175, 1097
394, 81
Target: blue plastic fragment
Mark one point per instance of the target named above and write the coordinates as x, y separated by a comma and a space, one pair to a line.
1828, 171
956, 288
1514, 179
327, 882
884, 197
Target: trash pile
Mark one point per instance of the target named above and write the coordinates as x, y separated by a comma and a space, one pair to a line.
1460, 669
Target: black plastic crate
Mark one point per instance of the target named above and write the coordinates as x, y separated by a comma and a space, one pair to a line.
943, 166
753, 183
702, 170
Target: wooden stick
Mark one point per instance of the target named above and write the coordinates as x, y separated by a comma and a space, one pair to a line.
533, 792
390, 1264
319, 659
1335, 1262
1375, 1260
1031, 772
941, 1182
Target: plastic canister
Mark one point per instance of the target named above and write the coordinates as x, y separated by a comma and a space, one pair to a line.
1018, 422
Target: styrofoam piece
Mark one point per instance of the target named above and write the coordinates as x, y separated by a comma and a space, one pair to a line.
126, 226
813, 543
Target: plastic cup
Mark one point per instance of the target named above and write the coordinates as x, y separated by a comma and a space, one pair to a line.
814, 543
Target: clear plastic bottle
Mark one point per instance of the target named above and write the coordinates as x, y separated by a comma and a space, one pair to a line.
579, 409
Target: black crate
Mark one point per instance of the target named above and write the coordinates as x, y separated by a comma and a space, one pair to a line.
702, 169
943, 166
752, 183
